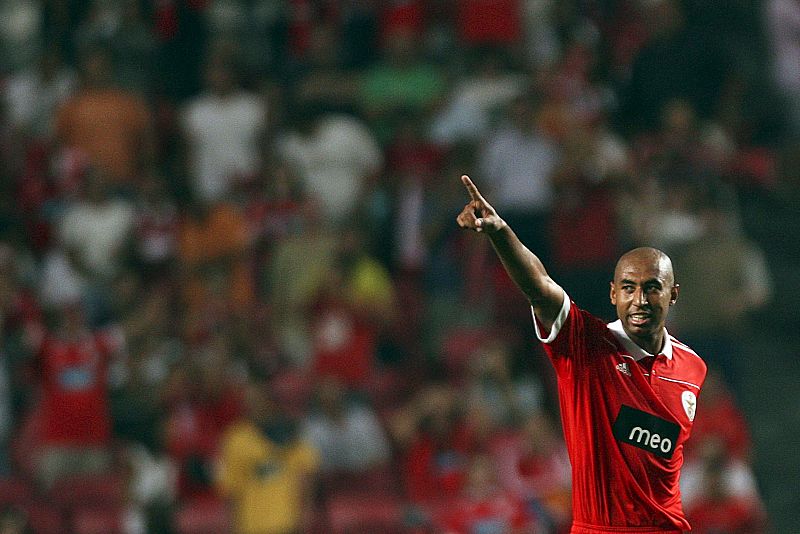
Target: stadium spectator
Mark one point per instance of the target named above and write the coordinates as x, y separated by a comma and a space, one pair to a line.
533, 464
21, 34
96, 229
322, 79
112, 126
267, 473
501, 397
401, 81
335, 155
727, 285
585, 231
213, 260
201, 400
72, 367
299, 268
412, 164
518, 160
347, 433
21, 323
223, 132
676, 61
720, 421
473, 105
483, 505
350, 313
435, 444
720, 493
155, 228
32, 95
133, 46
182, 34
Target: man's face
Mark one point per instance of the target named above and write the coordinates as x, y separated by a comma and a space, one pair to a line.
642, 291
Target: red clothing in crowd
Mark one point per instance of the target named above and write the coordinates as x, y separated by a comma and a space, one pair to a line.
723, 420
585, 230
75, 389
194, 430
729, 516
493, 22
500, 512
344, 344
403, 16
437, 470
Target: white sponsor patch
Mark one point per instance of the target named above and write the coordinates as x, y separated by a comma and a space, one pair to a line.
689, 401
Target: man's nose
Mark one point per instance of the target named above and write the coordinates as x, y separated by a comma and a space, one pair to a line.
640, 297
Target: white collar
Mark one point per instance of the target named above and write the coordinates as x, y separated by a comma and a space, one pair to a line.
635, 350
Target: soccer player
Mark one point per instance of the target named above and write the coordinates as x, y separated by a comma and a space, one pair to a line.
627, 390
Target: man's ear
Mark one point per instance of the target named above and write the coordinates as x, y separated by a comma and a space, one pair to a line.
674, 294
613, 294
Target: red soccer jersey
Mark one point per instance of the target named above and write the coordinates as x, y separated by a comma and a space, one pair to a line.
624, 423
75, 392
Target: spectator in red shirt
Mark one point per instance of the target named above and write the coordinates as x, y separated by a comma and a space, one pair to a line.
490, 22
484, 506
721, 508
721, 419
435, 444
202, 400
73, 366
533, 464
585, 233
351, 311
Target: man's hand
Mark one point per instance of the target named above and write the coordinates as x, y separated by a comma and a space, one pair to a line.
478, 214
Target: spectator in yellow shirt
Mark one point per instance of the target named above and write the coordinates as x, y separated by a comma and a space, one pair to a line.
266, 472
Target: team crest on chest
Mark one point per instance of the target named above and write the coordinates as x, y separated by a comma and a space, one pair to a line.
689, 401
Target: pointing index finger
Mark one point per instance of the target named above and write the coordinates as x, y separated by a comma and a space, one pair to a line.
471, 189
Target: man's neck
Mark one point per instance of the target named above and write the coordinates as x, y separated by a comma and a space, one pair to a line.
652, 344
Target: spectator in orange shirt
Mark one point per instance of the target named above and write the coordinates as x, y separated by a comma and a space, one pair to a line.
112, 126
216, 274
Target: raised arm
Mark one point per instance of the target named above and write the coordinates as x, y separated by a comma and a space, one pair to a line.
522, 265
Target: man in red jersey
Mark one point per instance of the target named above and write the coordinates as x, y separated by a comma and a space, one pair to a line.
627, 390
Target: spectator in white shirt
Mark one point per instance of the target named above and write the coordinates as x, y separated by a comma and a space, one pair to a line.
335, 154
348, 435
223, 129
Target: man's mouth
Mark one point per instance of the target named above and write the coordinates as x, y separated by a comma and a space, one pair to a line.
639, 318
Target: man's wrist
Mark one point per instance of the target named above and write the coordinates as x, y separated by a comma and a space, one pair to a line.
500, 226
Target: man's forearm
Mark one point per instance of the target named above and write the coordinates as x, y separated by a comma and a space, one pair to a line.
522, 265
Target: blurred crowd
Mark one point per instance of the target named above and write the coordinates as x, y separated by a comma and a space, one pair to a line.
233, 295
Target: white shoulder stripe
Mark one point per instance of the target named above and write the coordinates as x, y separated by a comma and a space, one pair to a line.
683, 346
680, 382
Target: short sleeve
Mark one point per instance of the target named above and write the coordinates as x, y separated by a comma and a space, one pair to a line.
574, 336
557, 324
